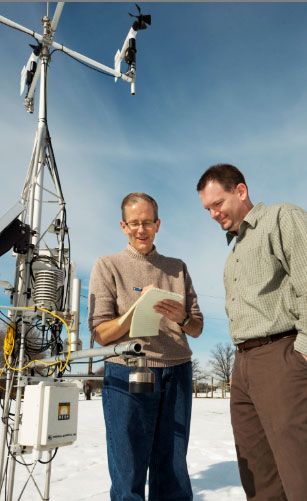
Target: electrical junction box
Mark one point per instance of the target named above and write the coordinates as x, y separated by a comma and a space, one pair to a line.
50, 415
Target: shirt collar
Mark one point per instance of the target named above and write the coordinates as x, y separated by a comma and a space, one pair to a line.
250, 220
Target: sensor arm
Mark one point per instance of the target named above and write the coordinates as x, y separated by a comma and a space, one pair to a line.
91, 62
57, 15
37, 36
66, 50
19, 27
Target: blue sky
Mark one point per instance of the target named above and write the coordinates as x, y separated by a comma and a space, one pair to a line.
215, 82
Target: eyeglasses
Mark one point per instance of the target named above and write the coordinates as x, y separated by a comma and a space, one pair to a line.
134, 225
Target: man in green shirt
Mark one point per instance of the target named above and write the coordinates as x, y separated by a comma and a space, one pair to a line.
266, 301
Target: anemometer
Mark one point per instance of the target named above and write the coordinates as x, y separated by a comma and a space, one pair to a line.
45, 296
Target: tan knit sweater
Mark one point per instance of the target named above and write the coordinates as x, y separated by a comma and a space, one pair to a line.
111, 294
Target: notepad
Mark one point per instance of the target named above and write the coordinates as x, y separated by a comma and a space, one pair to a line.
145, 320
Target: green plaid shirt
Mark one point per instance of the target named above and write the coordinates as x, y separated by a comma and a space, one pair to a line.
266, 274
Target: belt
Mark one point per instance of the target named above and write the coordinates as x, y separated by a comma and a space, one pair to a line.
260, 341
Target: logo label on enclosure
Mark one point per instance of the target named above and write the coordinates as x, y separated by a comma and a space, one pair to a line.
64, 411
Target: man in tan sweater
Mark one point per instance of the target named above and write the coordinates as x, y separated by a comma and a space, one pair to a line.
146, 431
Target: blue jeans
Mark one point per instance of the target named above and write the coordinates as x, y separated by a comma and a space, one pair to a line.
148, 431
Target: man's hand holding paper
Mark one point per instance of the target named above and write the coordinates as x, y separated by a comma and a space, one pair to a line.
173, 310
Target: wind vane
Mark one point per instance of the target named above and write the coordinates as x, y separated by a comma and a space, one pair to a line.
45, 297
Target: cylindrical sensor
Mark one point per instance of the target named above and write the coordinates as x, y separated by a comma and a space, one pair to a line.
141, 379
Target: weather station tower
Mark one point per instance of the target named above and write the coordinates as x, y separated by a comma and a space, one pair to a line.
40, 397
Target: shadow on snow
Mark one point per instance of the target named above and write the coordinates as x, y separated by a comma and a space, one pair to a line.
217, 476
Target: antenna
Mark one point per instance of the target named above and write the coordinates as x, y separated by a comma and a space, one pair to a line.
45, 298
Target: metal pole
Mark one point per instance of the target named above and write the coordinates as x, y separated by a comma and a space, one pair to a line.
75, 308
12, 462
48, 477
32, 196
35, 206
5, 417
87, 390
25, 190
36, 196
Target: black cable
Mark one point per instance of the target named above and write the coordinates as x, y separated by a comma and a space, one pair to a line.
20, 462
38, 345
9, 443
87, 64
54, 50
96, 361
5, 316
45, 258
69, 271
49, 460
10, 414
5, 322
55, 175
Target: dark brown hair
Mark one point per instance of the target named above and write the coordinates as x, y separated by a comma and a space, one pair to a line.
227, 175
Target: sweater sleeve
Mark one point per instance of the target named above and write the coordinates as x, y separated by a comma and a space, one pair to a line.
102, 294
192, 306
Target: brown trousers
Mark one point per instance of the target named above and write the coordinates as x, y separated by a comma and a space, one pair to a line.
269, 419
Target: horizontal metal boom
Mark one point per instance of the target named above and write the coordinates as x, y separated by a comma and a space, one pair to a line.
91, 62
16, 26
66, 50
104, 351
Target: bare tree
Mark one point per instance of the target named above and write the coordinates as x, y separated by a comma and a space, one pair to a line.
222, 361
196, 369
198, 374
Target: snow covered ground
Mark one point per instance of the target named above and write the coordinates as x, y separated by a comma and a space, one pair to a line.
80, 473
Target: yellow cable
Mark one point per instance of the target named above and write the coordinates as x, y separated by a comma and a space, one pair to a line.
7, 345
9, 340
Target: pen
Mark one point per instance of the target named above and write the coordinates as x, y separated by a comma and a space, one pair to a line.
137, 289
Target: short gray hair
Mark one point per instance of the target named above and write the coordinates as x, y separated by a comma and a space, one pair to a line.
133, 198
